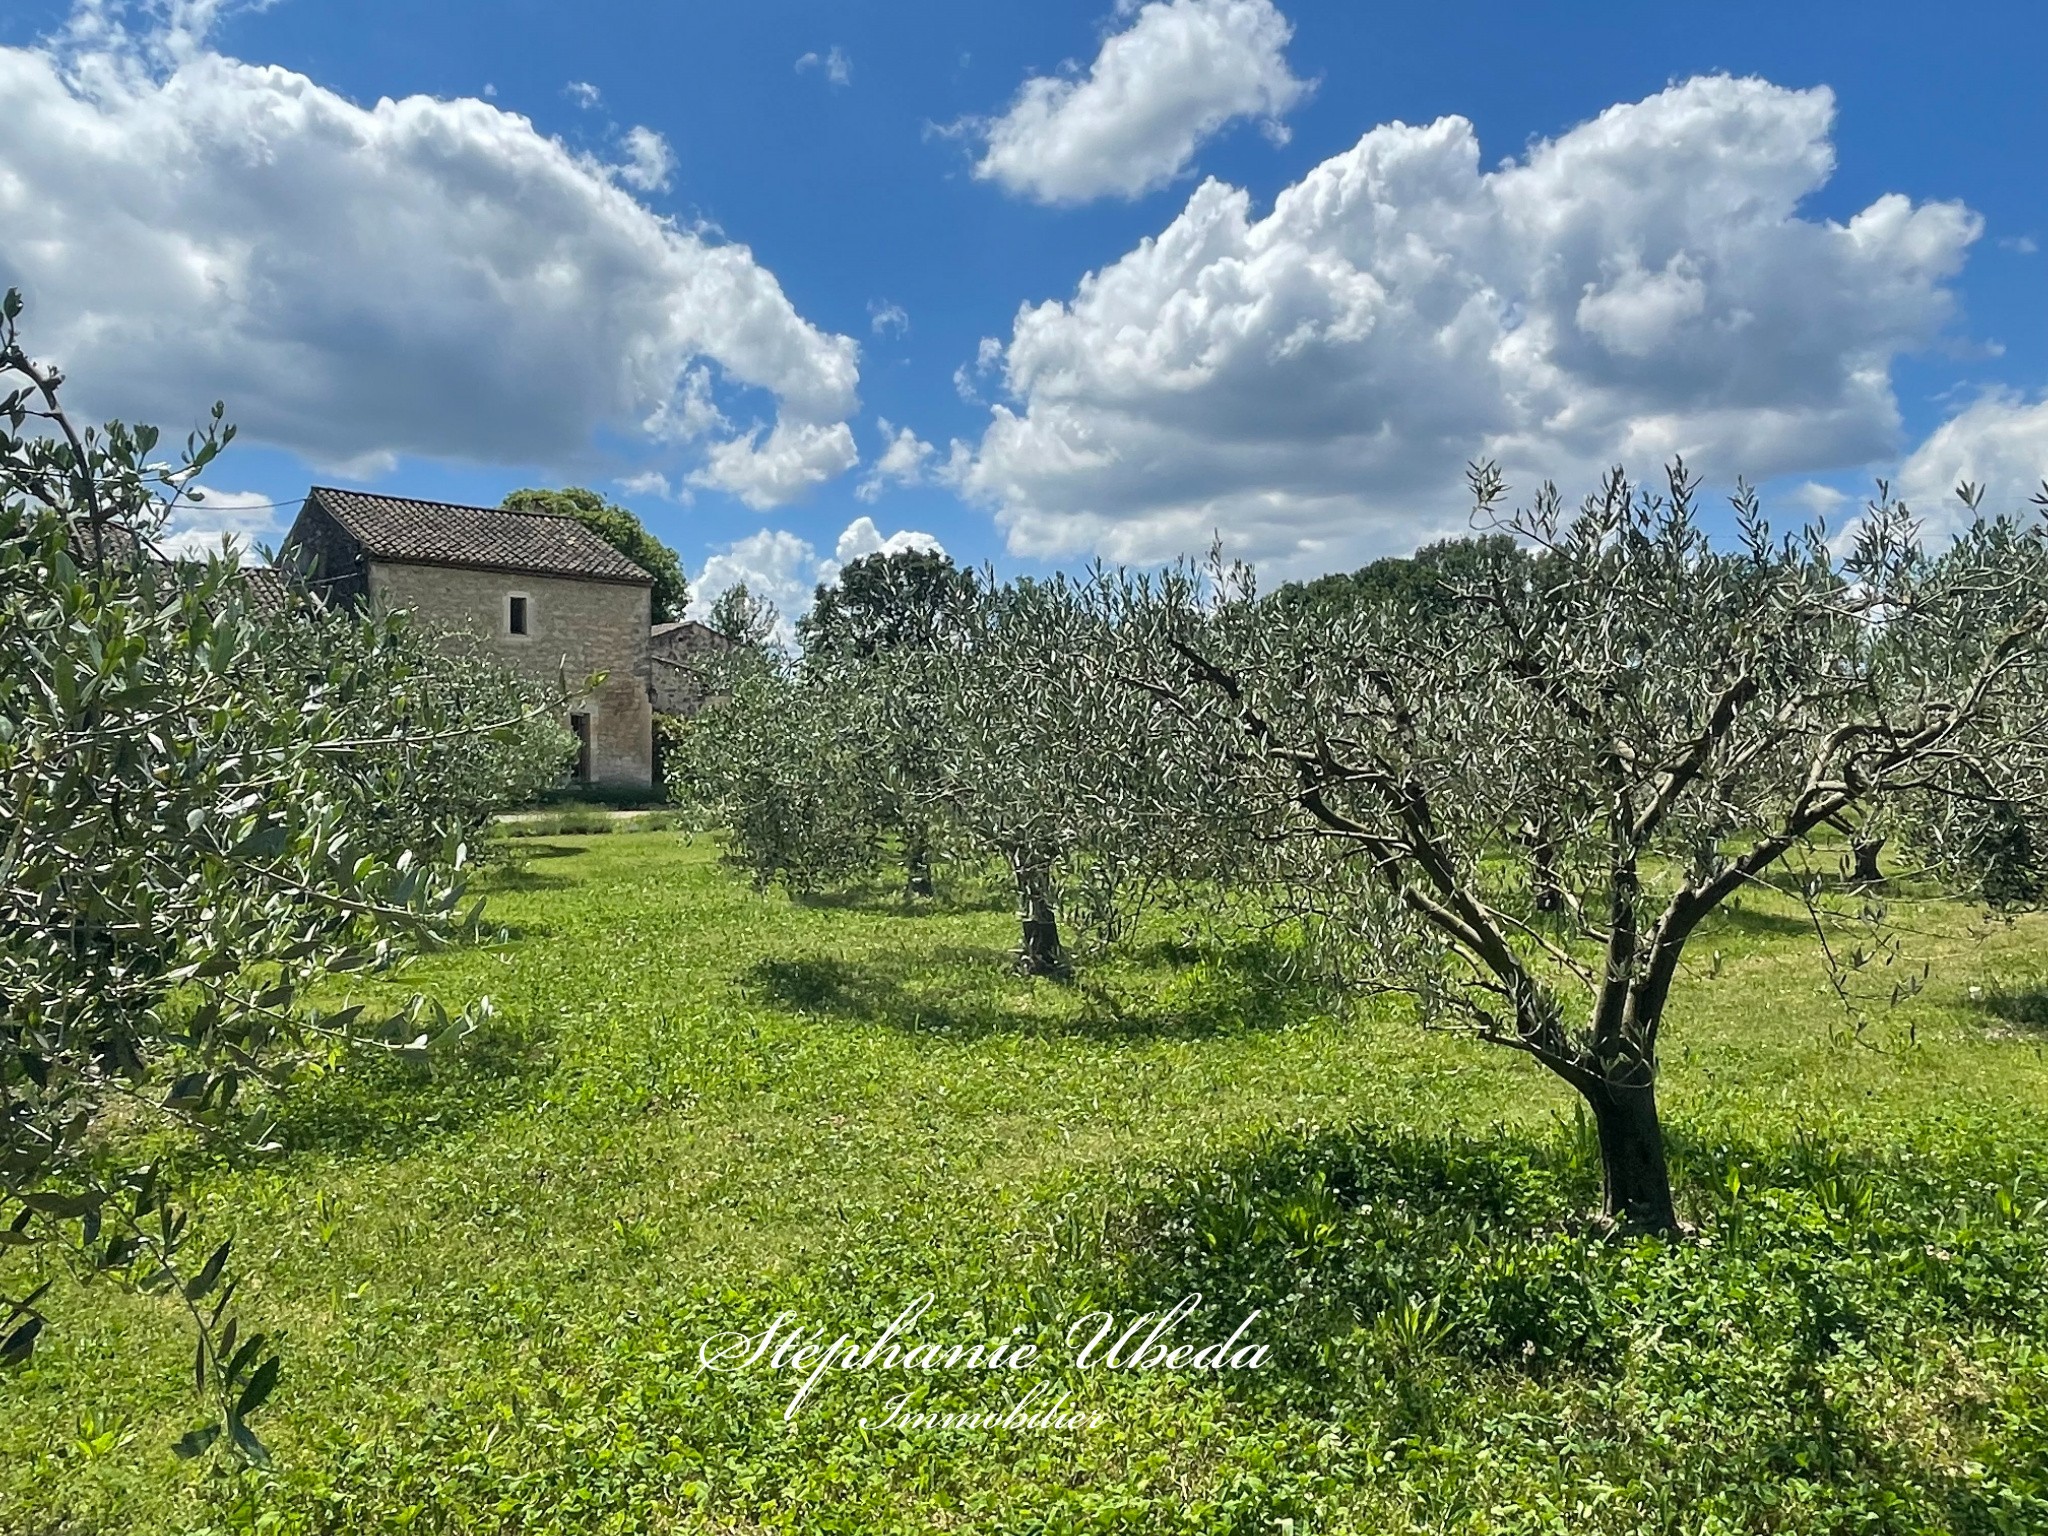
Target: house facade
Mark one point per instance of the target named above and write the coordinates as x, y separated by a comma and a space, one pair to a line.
546, 596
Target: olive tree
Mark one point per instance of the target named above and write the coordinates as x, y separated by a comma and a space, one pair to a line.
777, 761
444, 737
909, 603
1040, 756
1678, 717
197, 788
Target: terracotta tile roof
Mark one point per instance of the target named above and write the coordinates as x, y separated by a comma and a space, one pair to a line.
112, 540
267, 588
487, 538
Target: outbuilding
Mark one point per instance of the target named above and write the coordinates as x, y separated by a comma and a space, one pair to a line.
546, 596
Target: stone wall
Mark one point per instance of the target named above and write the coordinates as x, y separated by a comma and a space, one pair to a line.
329, 562
681, 655
577, 627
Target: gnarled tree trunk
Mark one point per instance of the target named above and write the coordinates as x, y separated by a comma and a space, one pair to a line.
1865, 851
1040, 953
1635, 1174
1543, 868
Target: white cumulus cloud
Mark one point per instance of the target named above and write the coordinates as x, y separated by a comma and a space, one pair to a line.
794, 459
988, 356
1313, 381
412, 277
650, 482
862, 538
1815, 499
1169, 81
771, 564
241, 520
787, 570
837, 66
901, 463
2000, 443
649, 161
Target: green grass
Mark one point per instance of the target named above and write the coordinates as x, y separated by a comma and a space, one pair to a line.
586, 821
697, 1106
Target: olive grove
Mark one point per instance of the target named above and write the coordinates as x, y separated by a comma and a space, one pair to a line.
1679, 719
870, 640
1509, 778
1030, 754
935, 712
777, 763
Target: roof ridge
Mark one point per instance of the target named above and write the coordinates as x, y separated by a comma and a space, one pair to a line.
459, 506
414, 528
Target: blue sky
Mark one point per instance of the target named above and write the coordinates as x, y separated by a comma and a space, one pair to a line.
695, 255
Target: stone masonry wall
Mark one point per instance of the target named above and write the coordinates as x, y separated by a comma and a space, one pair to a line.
577, 627
682, 658
325, 557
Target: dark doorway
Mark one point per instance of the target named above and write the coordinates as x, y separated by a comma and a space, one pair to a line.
580, 724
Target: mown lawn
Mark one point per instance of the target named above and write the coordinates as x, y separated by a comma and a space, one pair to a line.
698, 1106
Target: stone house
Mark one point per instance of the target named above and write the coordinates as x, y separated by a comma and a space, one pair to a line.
680, 654
545, 595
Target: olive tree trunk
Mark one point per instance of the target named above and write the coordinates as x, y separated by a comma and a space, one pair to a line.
1545, 882
1549, 887
917, 862
1865, 851
1040, 954
1635, 1175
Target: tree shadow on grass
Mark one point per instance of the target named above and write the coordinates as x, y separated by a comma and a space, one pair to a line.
968, 994
1754, 923
1336, 1231
516, 874
889, 901
2020, 1005
519, 881
899, 995
379, 1103
540, 848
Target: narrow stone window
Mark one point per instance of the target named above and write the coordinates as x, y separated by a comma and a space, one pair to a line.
515, 614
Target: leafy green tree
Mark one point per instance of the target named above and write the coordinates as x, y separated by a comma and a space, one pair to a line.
1426, 582
913, 601
1680, 719
775, 760
911, 598
198, 832
624, 532
742, 618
